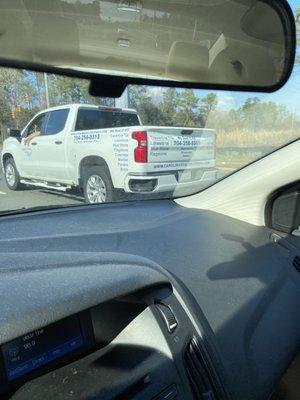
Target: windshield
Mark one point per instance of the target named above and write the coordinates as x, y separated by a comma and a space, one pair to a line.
60, 146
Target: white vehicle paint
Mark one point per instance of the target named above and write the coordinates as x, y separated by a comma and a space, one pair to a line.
244, 194
136, 158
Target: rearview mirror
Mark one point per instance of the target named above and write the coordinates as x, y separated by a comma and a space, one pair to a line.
218, 44
15, 133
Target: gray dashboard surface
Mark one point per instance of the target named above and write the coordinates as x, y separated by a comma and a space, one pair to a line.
244, 283
39, 289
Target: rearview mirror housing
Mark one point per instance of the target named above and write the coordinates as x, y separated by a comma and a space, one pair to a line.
240, 45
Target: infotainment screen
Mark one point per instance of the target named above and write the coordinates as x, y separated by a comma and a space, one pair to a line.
41, 346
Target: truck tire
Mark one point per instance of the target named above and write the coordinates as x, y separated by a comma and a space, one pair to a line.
97, 186
11, 174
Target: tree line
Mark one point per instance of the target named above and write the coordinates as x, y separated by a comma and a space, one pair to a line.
185, 108
22, 95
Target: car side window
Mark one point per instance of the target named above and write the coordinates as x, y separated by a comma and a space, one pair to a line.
100, 119
88, 119
37, 125
56, 122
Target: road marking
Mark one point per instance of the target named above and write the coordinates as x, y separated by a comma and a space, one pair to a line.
2, 192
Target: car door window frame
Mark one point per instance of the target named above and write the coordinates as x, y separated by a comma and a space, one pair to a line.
76, 119
33, 122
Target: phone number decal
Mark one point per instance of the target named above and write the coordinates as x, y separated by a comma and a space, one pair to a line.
86, 137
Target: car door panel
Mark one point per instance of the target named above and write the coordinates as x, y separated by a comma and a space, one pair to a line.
48, 150
27, 151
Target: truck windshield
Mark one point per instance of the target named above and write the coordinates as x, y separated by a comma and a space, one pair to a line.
101, 119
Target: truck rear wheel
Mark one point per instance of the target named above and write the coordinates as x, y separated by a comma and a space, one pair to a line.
97, 186
12, 177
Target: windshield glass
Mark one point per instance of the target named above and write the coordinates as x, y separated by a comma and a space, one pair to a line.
60, 146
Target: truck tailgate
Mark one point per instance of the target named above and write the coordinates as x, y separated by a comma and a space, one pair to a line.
179, 148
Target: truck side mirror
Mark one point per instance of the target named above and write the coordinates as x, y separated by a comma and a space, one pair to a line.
283, 209
16, 133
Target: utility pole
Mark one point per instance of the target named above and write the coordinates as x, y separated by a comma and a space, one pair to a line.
46, 90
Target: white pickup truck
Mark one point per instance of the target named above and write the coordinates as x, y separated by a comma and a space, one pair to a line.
100, 150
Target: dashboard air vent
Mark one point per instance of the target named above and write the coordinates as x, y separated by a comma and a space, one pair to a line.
198, 372
296, 263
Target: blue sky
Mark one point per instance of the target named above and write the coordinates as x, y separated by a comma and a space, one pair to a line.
289, 95
294, 4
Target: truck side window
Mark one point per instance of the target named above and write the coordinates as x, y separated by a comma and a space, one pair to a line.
37, 125
56, 122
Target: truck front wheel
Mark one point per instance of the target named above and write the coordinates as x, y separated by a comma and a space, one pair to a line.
11, 174
97, 186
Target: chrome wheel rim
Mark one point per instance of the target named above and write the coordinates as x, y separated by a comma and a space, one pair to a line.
10, 175
96, 189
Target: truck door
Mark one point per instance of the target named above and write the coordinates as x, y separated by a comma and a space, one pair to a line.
48, 150
26, 153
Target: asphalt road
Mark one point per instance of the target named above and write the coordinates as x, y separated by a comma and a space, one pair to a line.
35, 197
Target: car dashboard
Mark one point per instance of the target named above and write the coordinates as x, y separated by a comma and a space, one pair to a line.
140, 344
99, 304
